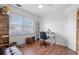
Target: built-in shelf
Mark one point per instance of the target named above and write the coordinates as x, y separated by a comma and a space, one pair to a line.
4, 30
3, 45
37, 30
4, 36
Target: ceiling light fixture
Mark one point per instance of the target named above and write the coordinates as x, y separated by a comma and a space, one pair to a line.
40, 6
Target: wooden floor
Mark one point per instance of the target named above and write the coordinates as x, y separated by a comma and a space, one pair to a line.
35, 49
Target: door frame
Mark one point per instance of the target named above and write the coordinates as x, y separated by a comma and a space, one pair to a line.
77, 19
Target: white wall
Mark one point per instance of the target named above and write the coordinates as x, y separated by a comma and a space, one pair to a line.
57, 23
20, 39
63, 23
71, 26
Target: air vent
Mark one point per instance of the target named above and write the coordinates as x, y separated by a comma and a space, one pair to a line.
18, 5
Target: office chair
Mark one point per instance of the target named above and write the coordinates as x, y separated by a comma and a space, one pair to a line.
44, 37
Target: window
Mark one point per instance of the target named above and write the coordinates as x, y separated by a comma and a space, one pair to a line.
20, 25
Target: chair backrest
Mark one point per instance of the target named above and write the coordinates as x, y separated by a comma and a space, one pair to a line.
43, 35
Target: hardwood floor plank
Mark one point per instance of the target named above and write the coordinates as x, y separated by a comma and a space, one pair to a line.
36, 49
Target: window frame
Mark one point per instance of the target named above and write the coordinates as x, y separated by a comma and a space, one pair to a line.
22, 31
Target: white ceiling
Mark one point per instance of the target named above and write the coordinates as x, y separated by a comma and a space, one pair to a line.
48, 8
